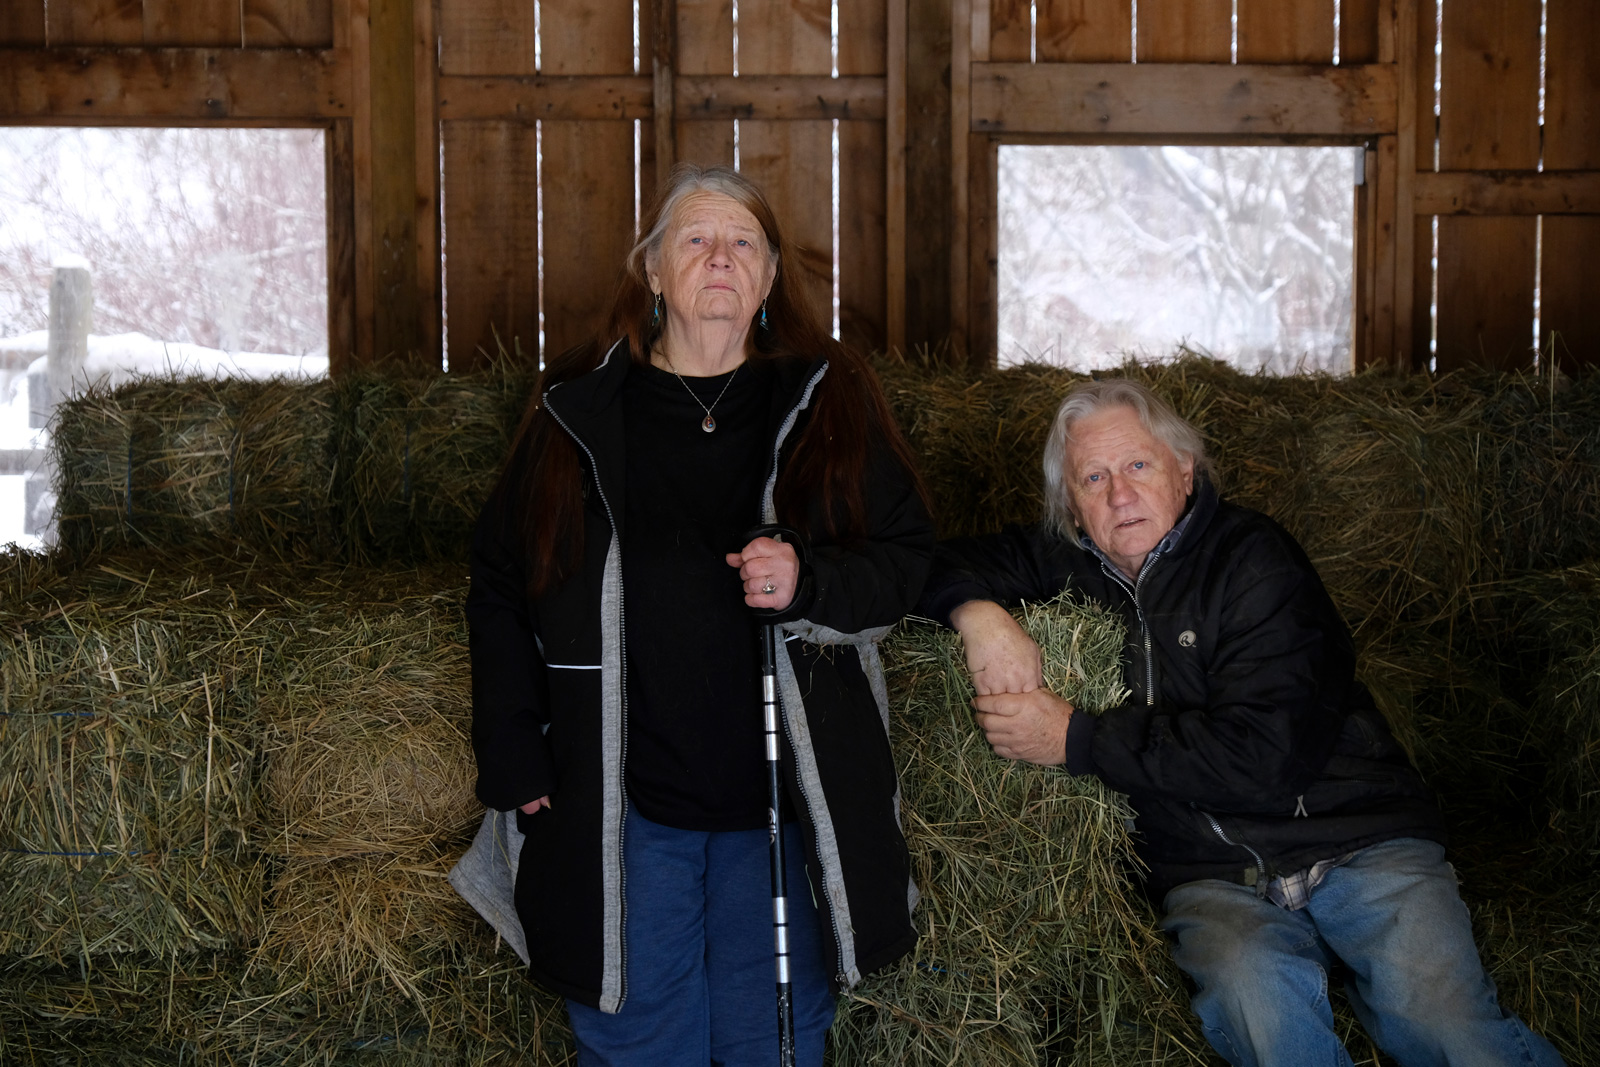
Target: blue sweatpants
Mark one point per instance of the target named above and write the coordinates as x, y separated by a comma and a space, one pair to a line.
700, 980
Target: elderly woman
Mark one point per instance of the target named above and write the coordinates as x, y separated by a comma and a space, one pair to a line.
616, 691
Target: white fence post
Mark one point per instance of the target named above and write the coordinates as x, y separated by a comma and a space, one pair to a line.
71, 315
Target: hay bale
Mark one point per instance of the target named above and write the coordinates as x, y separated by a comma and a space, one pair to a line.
422, 455
367, 736
1032, 936
175, 461
127, 766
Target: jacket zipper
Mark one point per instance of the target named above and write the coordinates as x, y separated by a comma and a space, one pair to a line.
1144, 627
622, 648
1261, 867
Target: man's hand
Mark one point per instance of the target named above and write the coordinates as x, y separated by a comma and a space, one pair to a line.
1000, 657
533, 806
1029, 726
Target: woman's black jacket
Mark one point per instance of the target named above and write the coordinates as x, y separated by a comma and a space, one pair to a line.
549, 714
1248, 748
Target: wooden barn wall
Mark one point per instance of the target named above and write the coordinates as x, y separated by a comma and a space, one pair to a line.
1517, 201
475, 146
551, 137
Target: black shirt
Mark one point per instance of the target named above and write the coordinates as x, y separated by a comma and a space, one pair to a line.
695, 750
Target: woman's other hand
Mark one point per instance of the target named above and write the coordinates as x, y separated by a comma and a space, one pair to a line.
770, 571
533, 806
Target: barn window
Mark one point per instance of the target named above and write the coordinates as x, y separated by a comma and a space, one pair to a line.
199, 251
1243, 252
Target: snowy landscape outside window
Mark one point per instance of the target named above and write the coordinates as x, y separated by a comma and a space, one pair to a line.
1245, 253
204, 252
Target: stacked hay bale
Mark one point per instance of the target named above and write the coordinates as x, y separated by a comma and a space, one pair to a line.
238, 697
233, 790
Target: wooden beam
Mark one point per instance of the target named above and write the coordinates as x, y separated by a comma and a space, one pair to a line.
779, 96
1199, 98
526, 99
397, 310
1491, 192
173, 84
928, 172
895, 118
340, 181
962, 72
1398, 34
663, 64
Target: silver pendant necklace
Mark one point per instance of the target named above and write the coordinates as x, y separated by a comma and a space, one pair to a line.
708, 424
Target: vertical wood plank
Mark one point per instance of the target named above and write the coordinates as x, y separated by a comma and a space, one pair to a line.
397, 310
1569, 307
339, 178
192, 22
491, 239
959, 177
22, 22
1402, 38
708, 142
1085, 31
1569, 283
1382, 181
785, 37
1489, 98
983, 301
95, 22
863, 274
928, 169
287, 23
793, 163
1010, 30
586, 36
1358, 31
1363, 288
895, 132
588, 225
1185, 31
359, 38
704, 36
1489, 93
1286, 31
863, 35
1486, 268
1572, 86
486, 37
428, 253
663, 68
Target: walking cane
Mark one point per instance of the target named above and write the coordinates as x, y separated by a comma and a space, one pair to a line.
780, 880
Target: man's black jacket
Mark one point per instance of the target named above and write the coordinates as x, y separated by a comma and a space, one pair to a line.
1248, 748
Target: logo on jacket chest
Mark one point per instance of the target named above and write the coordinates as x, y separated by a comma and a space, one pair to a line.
1186, 639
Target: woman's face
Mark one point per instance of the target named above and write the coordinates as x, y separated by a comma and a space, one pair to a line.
713, 262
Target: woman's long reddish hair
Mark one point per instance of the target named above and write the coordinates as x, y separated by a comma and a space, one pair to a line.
542, 483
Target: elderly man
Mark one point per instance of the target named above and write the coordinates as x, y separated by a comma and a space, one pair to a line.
1283, 828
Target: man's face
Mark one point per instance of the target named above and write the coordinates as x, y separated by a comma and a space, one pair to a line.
1127, 488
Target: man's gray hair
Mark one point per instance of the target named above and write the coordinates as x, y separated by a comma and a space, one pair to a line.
1091, 398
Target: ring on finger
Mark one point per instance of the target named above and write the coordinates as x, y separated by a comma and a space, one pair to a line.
769, 588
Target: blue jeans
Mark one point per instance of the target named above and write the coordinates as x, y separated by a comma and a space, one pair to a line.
700, 982
1394, 918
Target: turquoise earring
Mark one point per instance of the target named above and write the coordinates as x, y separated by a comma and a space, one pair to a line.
764, 325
